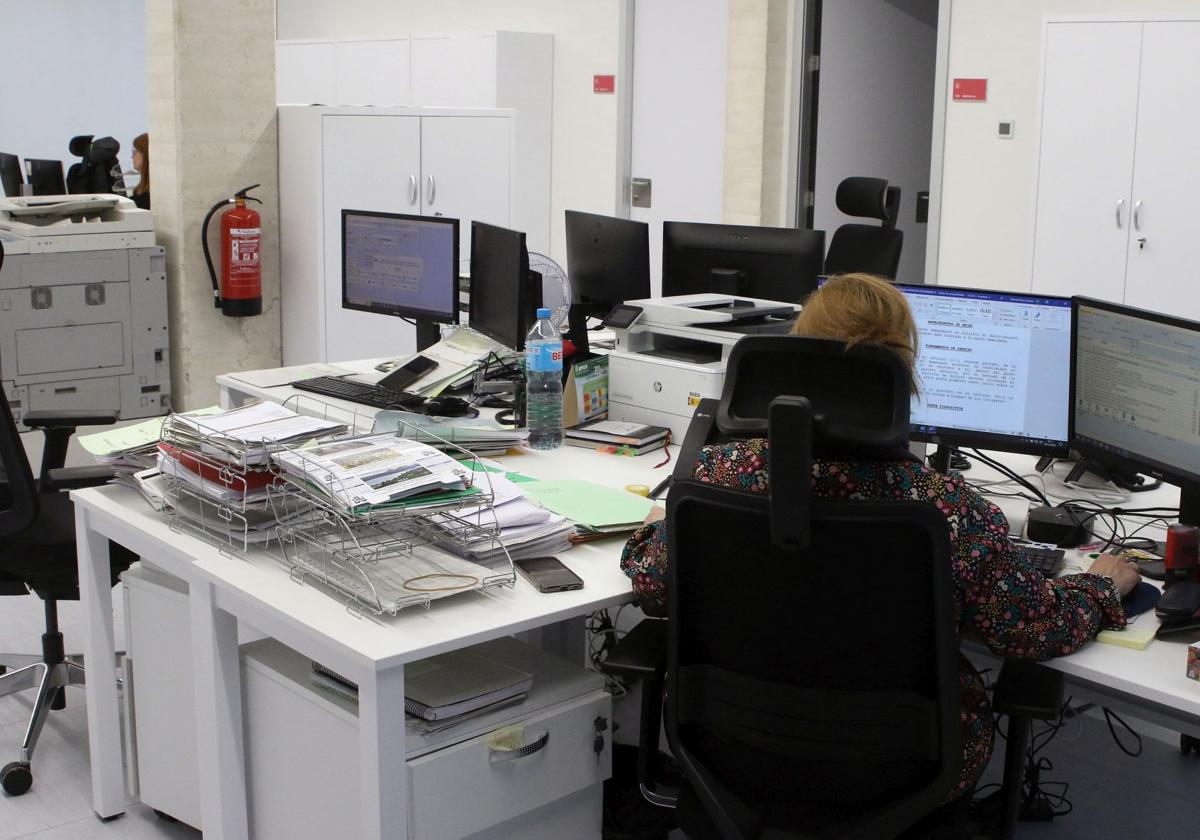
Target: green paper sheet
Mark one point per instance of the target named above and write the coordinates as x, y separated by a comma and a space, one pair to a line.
585, 503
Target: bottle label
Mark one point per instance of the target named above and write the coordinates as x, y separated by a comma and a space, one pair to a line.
543, 356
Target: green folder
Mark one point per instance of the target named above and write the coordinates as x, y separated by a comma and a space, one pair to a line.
591, 505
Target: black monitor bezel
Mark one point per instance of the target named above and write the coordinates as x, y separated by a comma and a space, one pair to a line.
681, 238
525, 314
450, 315
1089, 447
992, 440
624, 254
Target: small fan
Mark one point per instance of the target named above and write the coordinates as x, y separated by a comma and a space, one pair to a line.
556, 290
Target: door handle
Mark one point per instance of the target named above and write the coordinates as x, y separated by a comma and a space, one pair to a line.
432, 188
412, 191
1137, 216
1120, 204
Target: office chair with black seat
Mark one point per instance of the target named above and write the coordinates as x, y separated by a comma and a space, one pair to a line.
37, 552
874, 249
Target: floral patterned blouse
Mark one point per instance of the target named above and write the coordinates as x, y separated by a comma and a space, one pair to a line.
1015, 610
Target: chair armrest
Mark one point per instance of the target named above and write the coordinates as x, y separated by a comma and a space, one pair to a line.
76, 478
68, 418
641, 653
1028, 689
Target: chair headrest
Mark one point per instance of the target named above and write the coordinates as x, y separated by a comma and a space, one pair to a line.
79, 145
860, 395
860, 196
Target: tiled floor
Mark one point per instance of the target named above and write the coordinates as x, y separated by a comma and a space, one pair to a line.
1114, 796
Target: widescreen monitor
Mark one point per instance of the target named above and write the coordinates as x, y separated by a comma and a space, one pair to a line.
505, 294
993, 369
608, 262
407, 266
1135, 394
45, 177
759, 262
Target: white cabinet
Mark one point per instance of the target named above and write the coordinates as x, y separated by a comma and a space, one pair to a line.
361, 71
454, 162
1117, 175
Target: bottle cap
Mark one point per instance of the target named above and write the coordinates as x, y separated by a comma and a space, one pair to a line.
542, 313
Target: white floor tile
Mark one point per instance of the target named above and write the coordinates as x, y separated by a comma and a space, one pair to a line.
140, 823
62, 789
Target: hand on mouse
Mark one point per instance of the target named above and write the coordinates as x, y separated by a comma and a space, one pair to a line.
1121, 570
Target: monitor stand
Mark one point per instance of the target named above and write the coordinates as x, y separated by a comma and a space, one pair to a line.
428, 334
577, 330
1125, 479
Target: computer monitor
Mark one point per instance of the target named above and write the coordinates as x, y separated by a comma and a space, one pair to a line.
1134, 392
993, 369
10, 174
760, 262
505, 294
45, 177
407, 266
608, 262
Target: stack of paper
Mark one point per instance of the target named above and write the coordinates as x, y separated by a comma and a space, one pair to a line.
244, 435
593, 508
457, 356
376, 471
128, 449
475, 434
511, 523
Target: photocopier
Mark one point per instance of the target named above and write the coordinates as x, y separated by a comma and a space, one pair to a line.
83, 306
674, 353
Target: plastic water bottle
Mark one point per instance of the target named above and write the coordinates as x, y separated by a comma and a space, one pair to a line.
543, 384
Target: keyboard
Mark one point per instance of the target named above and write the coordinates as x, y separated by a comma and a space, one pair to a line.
375, 396
1048, 561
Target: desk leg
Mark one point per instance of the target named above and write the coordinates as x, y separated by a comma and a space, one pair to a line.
109, 798
383, 771
221, 757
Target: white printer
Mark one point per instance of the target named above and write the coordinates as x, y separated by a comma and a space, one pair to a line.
83, 306
674, 353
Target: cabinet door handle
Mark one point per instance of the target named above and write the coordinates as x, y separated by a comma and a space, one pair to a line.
432, 189
412, 189
1120, 204
1137, 215
504, 756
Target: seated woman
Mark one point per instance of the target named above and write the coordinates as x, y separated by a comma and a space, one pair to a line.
1016, 611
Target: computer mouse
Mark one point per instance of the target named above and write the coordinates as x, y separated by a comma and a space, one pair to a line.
447, 407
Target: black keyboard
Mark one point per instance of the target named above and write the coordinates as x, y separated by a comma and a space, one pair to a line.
375, 396
1048, 561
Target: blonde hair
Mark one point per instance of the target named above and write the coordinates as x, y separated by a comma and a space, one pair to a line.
858, 308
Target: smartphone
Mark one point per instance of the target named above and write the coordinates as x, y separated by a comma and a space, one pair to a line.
548, 574
408, 373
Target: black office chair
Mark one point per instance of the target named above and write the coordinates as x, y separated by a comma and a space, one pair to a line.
97, 170
874, 249
37, 552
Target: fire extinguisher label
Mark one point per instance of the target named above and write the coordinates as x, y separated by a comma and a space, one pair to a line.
243, 255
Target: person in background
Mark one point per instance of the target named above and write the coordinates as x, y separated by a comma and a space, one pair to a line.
999, 597
141, 162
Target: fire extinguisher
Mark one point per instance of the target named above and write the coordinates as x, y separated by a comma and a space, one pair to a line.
240, 290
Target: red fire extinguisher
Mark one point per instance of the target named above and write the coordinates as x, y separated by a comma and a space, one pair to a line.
240, 290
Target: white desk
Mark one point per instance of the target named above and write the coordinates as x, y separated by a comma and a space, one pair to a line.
256, 589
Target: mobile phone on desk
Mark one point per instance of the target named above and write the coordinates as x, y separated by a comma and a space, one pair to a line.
548, 574
408, 373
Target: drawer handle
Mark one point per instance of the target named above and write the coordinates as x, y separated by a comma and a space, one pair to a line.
498, 755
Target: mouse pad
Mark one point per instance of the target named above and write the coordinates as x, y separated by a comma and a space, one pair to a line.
1141, 599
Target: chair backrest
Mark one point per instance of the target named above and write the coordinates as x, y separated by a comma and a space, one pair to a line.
812, 684
94, 172
870, 248
10, 174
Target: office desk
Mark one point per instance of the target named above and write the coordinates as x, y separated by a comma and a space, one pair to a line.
256, 589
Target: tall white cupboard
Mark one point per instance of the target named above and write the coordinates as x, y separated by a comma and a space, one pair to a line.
1118, 172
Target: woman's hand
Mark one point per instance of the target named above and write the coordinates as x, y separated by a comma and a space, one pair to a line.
1121, 570
656, 514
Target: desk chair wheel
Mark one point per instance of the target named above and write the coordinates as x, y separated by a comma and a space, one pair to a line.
16, 778
1189, 745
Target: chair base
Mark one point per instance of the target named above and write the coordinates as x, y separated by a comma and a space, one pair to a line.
48, 680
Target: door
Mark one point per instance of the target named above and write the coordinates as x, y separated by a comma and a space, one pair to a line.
679, 114
466, 165
370, 163
1089, 120
1161, 273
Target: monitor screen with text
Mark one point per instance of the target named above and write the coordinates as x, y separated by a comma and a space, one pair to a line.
1137, 388
394, 264
993, 369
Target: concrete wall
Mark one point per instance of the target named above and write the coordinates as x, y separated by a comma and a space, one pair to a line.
72, 68
876, 109
211, 73
584, 156
989, 186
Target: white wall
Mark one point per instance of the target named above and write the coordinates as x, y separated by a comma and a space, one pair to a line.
584, 156
72, 68
876, 109
989, 186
